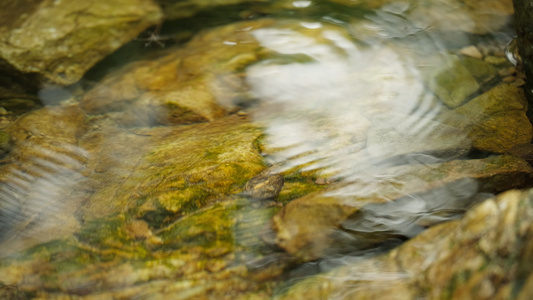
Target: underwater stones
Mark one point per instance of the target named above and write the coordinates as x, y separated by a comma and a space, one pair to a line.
452, 82
460, 15
37, 177
336, 219
481, 70
198, 82
264, 186
55, 128
61, 40
484, 255
495, 121
192, 102
169, 170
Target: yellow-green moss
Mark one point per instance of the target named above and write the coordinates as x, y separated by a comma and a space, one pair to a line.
210, 229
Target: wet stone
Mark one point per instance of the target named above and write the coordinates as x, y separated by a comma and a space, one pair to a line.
155, 214
452, 82
391, 203
198, 82
265, 186
61, 40
484, 255
495, 121
5, 142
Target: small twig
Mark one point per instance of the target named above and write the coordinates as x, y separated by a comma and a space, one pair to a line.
154, 38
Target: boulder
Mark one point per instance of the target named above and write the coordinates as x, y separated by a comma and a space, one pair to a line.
484, 255
61, 40
196, 83
495, 121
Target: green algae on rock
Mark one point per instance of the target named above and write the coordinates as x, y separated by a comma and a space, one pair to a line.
453, 83
179, 169
170, 219
484, 255
62, 40
200, 250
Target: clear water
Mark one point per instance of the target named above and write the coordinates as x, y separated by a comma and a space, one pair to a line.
351, 97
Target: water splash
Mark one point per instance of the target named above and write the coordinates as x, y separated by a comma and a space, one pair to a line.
511, 53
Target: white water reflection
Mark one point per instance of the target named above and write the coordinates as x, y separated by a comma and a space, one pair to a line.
36, 197
351, 104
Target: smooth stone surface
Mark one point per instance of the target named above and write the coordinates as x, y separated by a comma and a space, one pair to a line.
61, 40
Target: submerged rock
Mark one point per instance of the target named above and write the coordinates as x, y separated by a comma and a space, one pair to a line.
264, 186
495, 121
171, 170
198, 256
456, 80
196, 83
484, 255
61, 40
398, 202
461, 15
169, 217
38, 175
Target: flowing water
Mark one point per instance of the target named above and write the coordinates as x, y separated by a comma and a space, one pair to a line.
372, 105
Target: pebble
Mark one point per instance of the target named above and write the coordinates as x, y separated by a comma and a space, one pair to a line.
264, 186
496, 60
471, 51
507, 71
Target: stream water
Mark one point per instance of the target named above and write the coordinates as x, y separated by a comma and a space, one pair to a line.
374, 113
